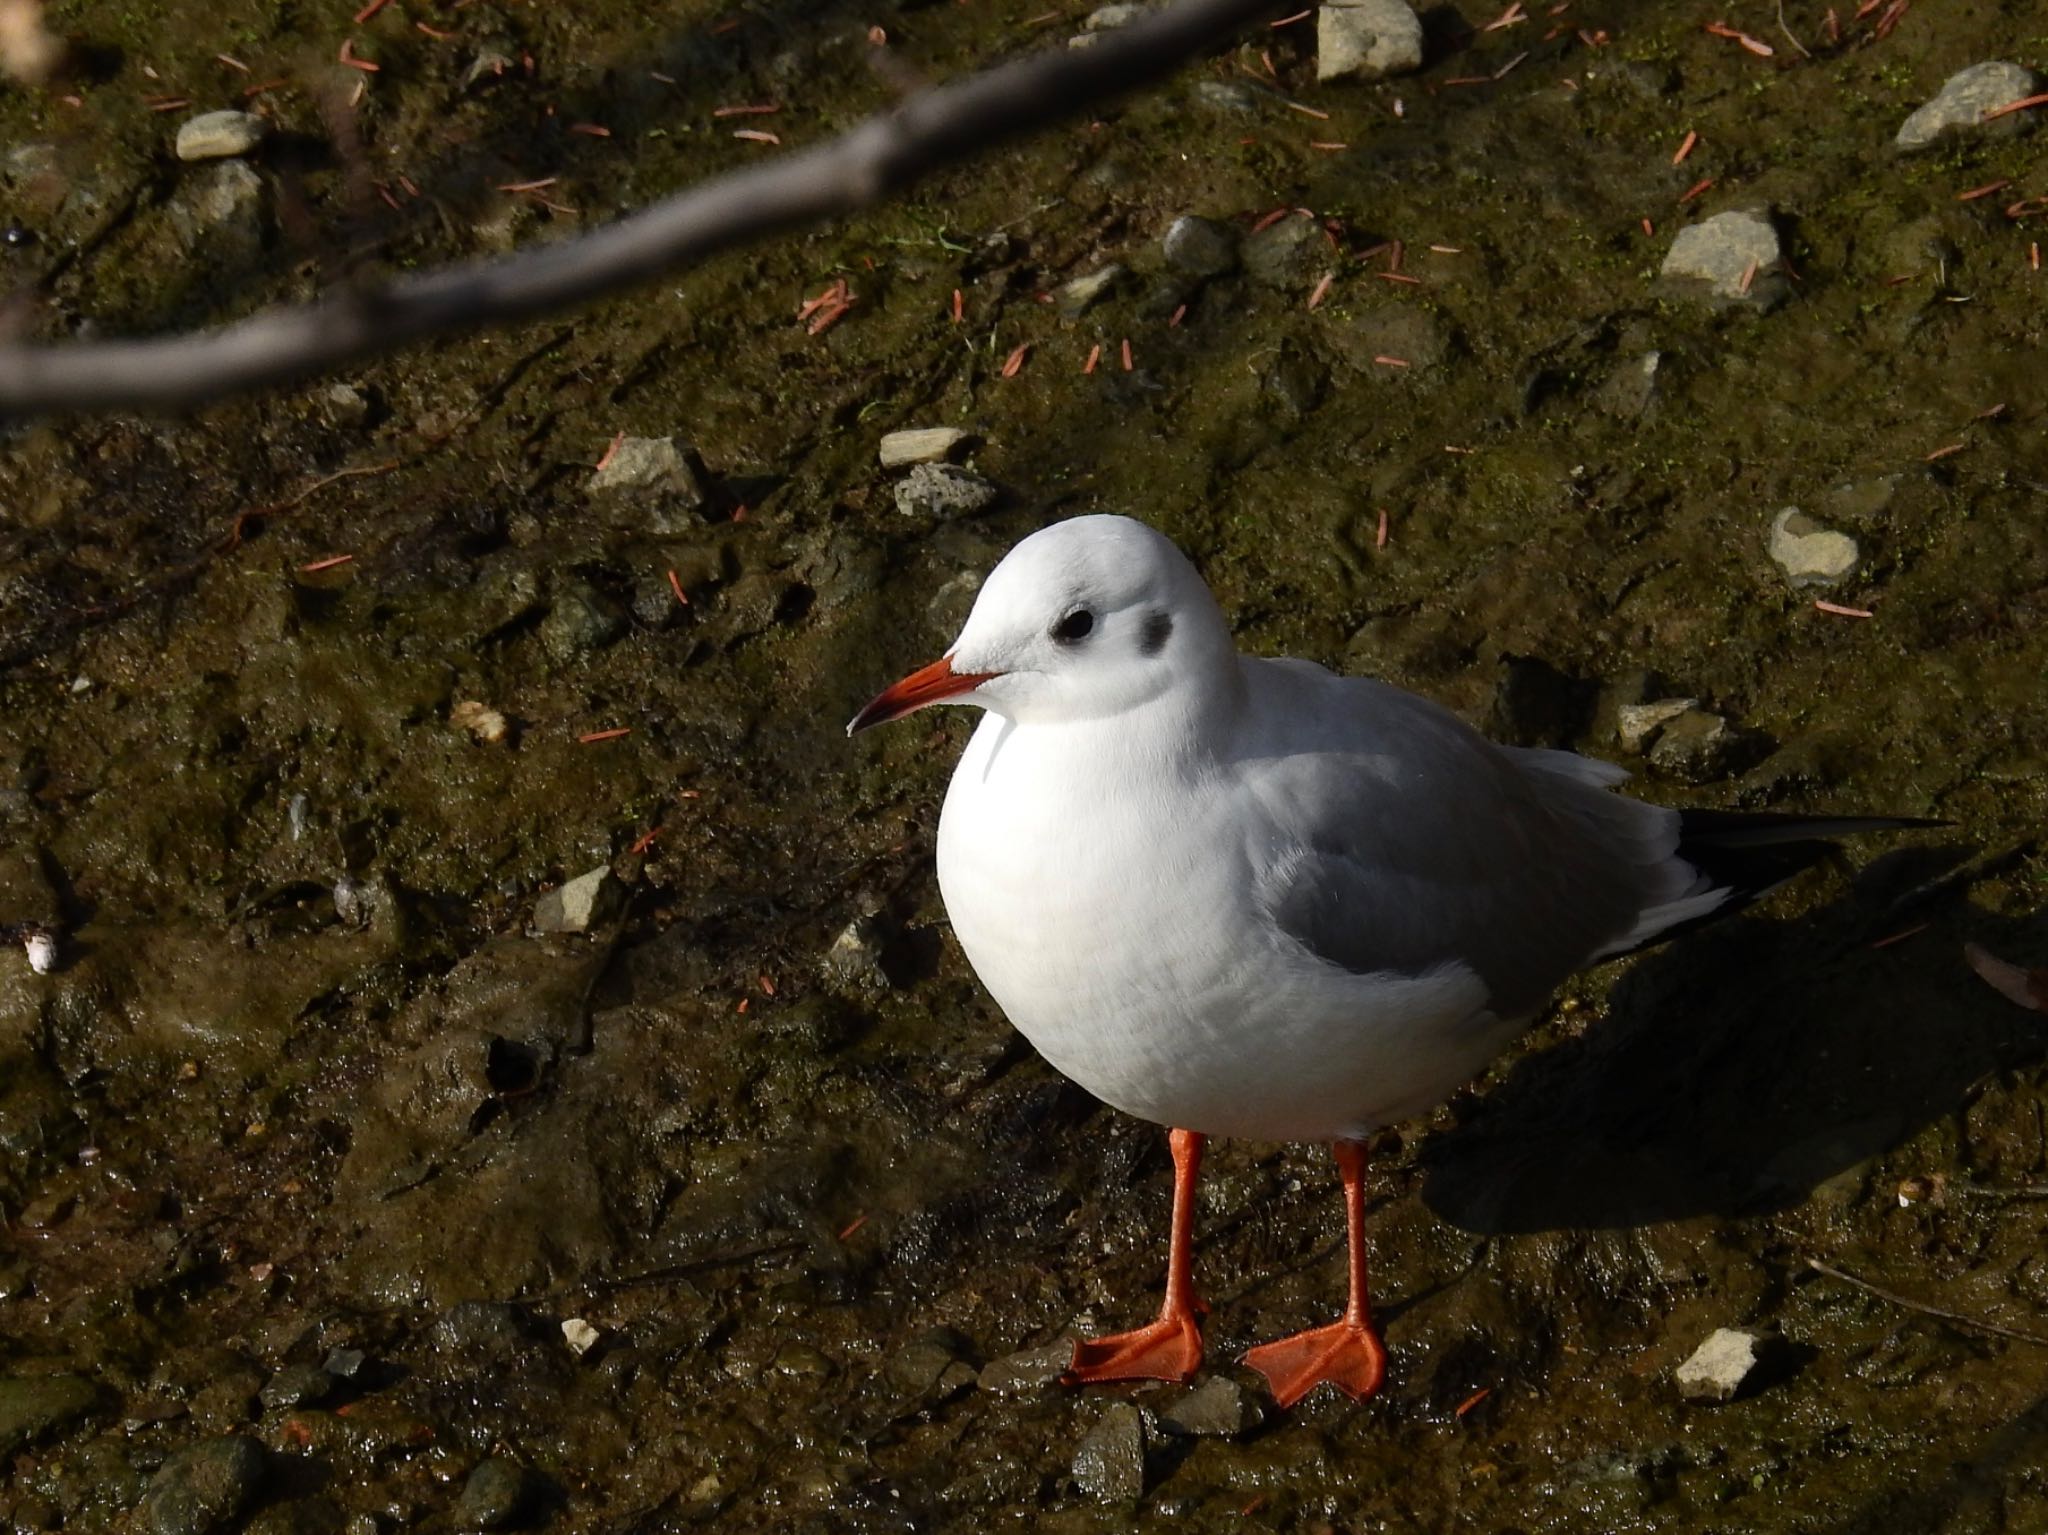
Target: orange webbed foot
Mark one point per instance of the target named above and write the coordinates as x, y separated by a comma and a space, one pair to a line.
1168, 1349
1346, 1354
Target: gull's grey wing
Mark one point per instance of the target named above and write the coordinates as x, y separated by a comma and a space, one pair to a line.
1398, 839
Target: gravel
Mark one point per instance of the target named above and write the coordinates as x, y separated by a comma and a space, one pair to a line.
1109, 1462
1735, 257
1811, 553
1719, 1366
920, 445
1200, 247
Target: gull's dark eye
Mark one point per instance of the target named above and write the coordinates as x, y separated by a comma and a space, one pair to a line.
1075, 627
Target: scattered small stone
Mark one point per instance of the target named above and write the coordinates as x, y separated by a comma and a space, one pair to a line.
663, 464
1959, 106
1367, 40
1636, 725
1109, 1462
1074, 298
1224, 95
920, 445
579, 620
1279, 255
1696, 746
1109, 17
943, 491
1199, 247
354, 901
39, 943
578, 905
33, 1406
1810, 553
490, 65
480, 720
1719, 1366
204, 1489
1631, 390
931, 1367
855, 958
344, 1363
298, 1385
1028, 1369
579, 1335
1217, 1407
220, 208
494, 1495
220, 135
298, 816
344, 405
1735, 256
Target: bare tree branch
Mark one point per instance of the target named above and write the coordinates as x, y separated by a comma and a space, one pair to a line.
880, 156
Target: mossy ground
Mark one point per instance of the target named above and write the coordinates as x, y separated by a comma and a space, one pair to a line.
237, 1131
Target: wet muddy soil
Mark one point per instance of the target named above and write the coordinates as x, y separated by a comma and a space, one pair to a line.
336, 1198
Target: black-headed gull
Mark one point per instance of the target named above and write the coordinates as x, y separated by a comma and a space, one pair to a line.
1249, 897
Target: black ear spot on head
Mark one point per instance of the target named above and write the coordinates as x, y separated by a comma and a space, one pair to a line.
1157, 631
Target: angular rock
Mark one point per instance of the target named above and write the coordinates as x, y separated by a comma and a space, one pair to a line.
1631, 390
1810, 553
1279, 255
1028, 1369
855, 958
297, 1385
1735, 256
1199, 247
920, 445
1719, 1366
579, 1335
220, 207
943, 491
1367, 40
1224, 96
1696, 746
1218, 1407
220, 135
580, 619
1958, 108
578, 905
665, 465
1635, 725
1109, 1462
205, 1489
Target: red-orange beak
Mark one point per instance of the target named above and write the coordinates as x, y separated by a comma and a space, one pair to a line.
927, 685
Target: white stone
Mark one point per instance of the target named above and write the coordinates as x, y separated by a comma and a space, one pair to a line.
1736, 254
920, 445
480, 720
1367, 40
1811, 553
1959, 106
1718, 1367
220, 135
579, 1335
651, 463
577, 905
1635, 724
40, 944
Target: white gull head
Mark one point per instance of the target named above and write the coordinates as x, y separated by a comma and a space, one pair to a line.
1085, 620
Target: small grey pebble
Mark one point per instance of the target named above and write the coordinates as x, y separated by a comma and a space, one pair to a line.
494, 1495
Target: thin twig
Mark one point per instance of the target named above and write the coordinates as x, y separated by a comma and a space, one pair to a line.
1896, 1299
876, 158
1795, 42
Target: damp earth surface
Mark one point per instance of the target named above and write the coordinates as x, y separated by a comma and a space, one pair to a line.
338, 1196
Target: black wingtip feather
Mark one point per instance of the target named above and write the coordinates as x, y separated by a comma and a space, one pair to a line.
1751, 853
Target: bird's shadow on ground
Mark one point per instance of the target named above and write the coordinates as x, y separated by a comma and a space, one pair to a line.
1744, 1065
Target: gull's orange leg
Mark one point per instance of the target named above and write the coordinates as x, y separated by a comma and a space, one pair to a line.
1170, 1348
1348, 1353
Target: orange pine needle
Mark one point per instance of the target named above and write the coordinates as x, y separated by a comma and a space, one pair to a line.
1016, 359
1094, 357
604, 735
1691, 138
328, 563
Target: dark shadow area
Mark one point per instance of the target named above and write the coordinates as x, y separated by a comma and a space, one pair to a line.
1743, 1066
